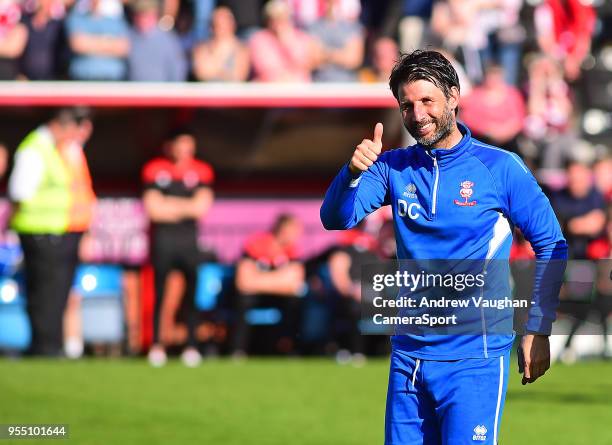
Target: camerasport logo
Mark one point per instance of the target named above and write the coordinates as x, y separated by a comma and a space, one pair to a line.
466, 193
480, 433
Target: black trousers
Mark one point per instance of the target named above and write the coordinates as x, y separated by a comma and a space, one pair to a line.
50, 262
172, 251
347, 314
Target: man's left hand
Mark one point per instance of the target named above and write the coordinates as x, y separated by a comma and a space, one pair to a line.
533, 357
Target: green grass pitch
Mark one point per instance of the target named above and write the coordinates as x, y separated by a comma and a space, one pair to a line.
273, 401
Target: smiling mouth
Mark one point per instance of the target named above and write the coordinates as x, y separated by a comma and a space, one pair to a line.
425, 128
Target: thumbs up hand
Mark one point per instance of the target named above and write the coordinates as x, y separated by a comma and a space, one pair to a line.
367, 152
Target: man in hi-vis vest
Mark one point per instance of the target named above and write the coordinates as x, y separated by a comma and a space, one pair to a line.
39, 188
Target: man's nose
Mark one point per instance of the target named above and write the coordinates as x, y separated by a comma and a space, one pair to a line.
419, 112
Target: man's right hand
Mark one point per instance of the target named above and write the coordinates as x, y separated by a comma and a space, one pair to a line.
367, 152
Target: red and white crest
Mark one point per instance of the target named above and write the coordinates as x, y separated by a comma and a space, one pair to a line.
466, 193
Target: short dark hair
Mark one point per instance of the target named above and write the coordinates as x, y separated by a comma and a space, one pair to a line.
282, 220
71, 115
182, 130
424, 65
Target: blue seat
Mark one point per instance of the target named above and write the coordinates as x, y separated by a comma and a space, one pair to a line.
212, 282
265, 316
101, 286
99, 280
15, 331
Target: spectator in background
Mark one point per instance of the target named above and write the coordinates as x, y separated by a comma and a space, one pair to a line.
549, 109
306, 12
456, 23
603, 178
177, 193
155, 55
223, 58
281, 52
580, 208
505, 37
357, 248
341, 45
13, 39
46, 44
98, 36
495, 110
39, 187
564, 29
410, 20
384, 56
270, 274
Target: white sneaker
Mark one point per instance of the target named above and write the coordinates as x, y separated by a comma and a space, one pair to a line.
191, 357
359, 360
343, 357
73, 347
157, 357
568, 356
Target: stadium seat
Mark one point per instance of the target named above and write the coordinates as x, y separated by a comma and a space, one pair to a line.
15, 331
102, 306
213, 282
263, 316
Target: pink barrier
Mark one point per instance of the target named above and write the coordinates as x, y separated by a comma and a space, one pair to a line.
119, 232
231, 221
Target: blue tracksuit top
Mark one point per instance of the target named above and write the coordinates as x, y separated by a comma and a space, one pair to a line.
458, 203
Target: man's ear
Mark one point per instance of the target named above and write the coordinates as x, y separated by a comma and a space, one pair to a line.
453, 100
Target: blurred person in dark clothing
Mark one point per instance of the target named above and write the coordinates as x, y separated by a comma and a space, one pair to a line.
580, 208
356, 248
223, 58
46, 44
495, 110
39, 188
410, 19
155, 54
270, 273
13, 39
177, 193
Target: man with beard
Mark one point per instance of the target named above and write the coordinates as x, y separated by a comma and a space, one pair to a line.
452, 197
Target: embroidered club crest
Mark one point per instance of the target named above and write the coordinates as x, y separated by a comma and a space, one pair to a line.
466, 193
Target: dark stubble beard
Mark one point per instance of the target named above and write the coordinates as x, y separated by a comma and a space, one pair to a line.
444, 127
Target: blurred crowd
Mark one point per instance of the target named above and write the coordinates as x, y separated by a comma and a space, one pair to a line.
287, 40
518, 62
